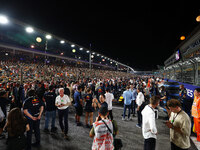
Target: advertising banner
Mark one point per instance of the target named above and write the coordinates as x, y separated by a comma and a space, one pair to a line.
190, 88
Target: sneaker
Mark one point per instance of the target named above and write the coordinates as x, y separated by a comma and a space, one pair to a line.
123, 118
134, 115
46, 130
66, 137
137, 125
129, 119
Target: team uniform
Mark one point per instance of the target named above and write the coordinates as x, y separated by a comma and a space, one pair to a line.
78, 106
88, 106
33, 105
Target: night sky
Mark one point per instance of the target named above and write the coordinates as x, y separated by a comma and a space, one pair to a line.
141, 34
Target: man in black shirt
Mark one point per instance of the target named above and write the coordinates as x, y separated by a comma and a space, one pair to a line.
50, 98
40, 90
33, 108
16, 93
100, 90
66, 90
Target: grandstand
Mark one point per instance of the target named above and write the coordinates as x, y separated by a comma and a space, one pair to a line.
17, 37
183, 64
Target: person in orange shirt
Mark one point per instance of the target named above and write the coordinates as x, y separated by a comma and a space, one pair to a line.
196, 112
149, 83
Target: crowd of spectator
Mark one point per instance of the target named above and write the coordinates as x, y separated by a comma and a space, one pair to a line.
38, 88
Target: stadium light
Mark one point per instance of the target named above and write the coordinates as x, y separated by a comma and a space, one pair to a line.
29, 30
62, 41
48, 36
39, 39
81, 49
182, 38
198, 18
72, 45
3, 19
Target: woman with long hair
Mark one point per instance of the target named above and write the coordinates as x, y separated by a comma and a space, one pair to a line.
16, 126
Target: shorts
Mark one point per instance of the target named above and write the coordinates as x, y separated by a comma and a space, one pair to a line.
79, 110
89, 109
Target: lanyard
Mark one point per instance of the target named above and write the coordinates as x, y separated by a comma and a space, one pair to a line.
152, 108
172, 121
62, 99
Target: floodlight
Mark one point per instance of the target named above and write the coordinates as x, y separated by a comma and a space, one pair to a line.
74, 50
62, 41
38, 39
48, 36
3, 19
29, 30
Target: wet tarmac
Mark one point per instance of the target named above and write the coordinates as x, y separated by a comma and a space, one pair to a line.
79, 135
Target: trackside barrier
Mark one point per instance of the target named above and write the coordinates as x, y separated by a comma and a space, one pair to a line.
190, 88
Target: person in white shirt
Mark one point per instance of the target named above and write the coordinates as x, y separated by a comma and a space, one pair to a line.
149, 129
140, 105
109, 98
62, 102
180, 126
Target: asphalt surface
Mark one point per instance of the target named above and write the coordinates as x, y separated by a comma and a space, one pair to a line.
79, 135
